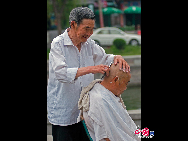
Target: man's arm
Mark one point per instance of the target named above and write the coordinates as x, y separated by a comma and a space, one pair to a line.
92, 69
65, 74
58, 64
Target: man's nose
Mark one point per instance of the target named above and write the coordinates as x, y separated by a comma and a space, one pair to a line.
90, 33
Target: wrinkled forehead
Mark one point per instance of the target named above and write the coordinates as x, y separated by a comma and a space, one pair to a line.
89, 23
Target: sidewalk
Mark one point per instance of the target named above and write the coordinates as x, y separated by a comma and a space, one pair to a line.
49, 138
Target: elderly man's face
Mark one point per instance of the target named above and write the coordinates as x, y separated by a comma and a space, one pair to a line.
85, 29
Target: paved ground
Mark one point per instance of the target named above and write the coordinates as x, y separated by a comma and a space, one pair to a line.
49, 138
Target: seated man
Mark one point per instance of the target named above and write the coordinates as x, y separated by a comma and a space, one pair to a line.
103, 109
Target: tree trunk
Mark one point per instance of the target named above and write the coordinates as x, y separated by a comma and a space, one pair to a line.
100, 13
59, 24
58, 10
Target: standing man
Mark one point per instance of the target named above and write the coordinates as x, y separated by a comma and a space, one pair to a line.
74, 58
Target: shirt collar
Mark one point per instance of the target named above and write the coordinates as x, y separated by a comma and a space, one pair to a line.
102, 88
67, 40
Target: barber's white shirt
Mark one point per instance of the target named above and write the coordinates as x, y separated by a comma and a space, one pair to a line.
63, 89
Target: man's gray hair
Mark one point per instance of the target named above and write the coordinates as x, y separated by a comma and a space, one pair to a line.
79, 13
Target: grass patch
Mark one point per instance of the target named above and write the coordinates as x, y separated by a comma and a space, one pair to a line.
129, 50
48, 51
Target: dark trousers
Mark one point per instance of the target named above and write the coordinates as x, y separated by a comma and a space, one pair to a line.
75, 132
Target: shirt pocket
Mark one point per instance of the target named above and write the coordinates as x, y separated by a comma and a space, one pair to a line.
89, 61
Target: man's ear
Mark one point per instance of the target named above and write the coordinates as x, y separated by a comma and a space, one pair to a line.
115, 78
73, 24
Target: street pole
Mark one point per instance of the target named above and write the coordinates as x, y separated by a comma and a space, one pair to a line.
121, 17
100, 13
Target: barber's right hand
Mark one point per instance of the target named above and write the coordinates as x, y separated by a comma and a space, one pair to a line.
100, 69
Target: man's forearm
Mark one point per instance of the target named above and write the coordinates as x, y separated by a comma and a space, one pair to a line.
92, 69
83, 71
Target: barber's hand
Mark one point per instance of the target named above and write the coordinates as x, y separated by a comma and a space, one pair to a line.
100, 69
122, 62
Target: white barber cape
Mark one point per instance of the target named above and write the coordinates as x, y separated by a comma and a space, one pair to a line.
105, 115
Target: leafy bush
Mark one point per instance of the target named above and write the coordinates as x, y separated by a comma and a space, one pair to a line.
119, 44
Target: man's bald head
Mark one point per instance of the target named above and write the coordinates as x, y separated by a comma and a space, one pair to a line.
114, 71
117, 80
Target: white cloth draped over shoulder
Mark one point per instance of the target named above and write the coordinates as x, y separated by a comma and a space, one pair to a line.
103, 108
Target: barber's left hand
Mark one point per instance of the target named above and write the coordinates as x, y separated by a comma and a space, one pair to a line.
122, 62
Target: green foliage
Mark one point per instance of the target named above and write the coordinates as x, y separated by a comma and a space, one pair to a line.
119, 44
129, 50
68, 6
48, 51
49, 8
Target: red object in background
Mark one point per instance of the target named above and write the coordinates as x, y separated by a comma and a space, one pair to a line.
105, 3
122, 6
139, 32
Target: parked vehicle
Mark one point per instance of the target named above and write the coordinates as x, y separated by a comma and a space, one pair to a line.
106, 35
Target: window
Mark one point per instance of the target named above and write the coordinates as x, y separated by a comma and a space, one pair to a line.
114, 32
103, 32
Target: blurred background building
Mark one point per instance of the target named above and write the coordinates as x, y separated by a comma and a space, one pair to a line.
111, 19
